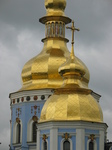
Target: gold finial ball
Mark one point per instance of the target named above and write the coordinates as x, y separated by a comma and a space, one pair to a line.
55, 6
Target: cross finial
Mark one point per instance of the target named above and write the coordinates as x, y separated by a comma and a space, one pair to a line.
73, 30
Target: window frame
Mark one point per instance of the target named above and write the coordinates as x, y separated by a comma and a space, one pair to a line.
94, 142
34, 139
62, 142
15, 138
43, 144
30, 131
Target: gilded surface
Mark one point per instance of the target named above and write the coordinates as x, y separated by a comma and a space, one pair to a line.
71, 107
55, 7
72, 99
42, 71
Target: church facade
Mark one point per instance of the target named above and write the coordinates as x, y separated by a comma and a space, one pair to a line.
55, 109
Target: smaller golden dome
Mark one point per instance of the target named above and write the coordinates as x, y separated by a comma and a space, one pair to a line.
72, 66
72, 102
71, 107
73, 72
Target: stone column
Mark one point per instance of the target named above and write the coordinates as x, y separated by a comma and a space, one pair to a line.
38, 139
101, 145
80, 139
54, 139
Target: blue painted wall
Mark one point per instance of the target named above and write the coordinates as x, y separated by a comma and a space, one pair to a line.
95, 132
48, 138
73, 137
27, 112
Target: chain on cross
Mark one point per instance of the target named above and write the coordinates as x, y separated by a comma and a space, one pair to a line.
73, 30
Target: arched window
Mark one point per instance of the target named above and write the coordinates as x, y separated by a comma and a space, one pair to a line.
91, 145
18, 132
34, 132
66, 145
44, 145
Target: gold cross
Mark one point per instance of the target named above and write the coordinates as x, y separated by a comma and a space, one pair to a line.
73, 30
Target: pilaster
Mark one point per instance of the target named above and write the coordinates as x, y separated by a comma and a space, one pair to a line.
101, 144
38, 140
54, 139
80, 139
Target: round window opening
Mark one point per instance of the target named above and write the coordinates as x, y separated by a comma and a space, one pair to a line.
42, 97
28, 98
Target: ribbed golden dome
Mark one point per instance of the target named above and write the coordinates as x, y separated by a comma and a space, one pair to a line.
42, 71
72, 101
71, 107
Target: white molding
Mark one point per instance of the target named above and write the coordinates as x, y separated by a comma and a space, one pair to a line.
94, 142
73, 125
24, 94
31, 93
29, 130
63, 140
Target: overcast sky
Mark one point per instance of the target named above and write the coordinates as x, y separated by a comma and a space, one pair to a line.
20, 40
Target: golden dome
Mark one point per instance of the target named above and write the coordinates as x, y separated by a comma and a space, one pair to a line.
71, 107
42, 71
73, 101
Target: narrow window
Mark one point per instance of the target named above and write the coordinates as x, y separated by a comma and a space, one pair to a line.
45, 145
61, 30
56, 29
18, 132
91, 145
49, 30
66, 145
53, 29
34, 132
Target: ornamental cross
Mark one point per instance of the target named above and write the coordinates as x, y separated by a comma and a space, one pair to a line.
73, 30
91, 137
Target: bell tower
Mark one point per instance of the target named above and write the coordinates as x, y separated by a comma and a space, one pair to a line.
54, 109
